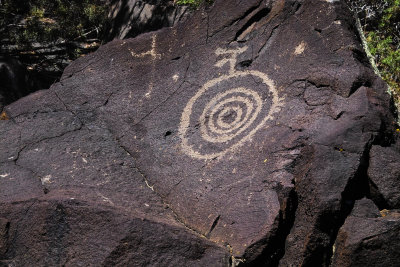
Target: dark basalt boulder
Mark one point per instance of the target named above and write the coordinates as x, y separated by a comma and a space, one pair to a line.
367, 238
241, 137
384, 172
129, 18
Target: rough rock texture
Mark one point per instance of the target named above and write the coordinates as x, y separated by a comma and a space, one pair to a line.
384, 172
130, 18
241, 137
367, 239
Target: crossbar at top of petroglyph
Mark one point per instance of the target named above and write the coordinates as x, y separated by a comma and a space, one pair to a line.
228, 110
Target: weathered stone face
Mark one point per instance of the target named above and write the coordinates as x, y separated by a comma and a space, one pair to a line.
129, 18
244, 132
367, 238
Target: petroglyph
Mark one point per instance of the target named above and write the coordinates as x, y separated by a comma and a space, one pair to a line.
300, 48
46, 179
154, 56
227, 111
152, 52
221, 108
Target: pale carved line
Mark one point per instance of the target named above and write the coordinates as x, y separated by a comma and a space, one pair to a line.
222, 132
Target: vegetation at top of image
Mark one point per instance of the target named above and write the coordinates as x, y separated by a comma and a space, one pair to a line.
381, 26
192, 3
384, 44
24, 22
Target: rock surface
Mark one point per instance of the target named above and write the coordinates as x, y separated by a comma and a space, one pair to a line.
130, 18
241, 137
384, 172
367, 238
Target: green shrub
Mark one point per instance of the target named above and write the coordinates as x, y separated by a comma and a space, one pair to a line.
381, 26
27, 21
387, 57
192, 3
384, 45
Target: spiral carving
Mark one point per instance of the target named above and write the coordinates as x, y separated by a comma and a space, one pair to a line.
228, 114
227, 111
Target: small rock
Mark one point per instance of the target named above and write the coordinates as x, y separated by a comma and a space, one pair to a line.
384, 173
368, 241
